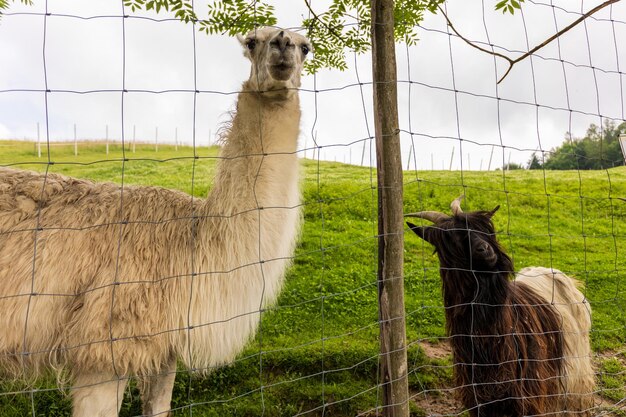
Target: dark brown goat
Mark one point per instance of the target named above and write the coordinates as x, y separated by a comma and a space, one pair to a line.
520, 348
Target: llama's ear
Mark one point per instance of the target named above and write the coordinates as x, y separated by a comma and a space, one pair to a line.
492, 212
423, 232
248, 43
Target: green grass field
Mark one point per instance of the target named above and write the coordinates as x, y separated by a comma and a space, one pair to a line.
316, 352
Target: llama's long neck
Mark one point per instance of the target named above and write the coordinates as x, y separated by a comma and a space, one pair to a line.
246, 231
259, 166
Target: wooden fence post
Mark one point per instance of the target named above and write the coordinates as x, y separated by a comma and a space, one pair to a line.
393, 356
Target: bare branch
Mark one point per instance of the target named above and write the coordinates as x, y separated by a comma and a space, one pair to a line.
467, 41
567, 28
536, 48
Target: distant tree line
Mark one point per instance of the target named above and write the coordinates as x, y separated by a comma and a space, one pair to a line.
598, 149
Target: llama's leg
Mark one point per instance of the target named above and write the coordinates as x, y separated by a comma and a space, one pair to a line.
156, 393
97, 395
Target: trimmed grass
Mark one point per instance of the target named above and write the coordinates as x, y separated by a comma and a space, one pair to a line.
316, 352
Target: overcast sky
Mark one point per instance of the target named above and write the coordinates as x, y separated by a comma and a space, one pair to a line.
532, 109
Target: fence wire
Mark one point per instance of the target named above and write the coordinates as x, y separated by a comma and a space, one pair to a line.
316, 350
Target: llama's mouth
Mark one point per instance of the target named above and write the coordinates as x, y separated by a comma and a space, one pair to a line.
282, 71
283, 67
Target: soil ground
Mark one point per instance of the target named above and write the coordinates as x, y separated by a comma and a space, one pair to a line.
443, 402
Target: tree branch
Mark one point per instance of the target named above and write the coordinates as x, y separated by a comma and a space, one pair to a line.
318, 18
536, 48
467, 41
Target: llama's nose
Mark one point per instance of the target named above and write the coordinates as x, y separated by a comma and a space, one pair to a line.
281, 42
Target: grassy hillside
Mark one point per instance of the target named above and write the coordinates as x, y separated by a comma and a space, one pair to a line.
316, 352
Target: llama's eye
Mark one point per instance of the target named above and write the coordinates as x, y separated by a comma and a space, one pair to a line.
305, 49
251, 44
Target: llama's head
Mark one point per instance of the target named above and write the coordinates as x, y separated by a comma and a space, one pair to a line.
463, 240
277, 58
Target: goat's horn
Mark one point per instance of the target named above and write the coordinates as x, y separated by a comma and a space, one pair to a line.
433, 216
456, 205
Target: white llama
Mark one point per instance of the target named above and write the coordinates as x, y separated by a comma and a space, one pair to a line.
110, 283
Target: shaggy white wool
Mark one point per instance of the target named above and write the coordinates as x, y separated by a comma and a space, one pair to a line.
562, 292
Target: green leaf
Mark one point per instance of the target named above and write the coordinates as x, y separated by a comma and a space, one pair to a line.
501, 4
509, 5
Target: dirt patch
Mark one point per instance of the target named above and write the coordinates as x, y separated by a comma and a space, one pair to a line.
603, 407
608, 405
435, 350
437, 403
441, 401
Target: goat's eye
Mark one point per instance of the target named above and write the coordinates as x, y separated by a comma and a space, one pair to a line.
251, 44
304, 49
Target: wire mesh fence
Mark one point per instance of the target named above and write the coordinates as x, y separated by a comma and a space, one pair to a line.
94, 268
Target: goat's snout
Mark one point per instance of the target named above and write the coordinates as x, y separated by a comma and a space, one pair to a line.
482, 248
485, 252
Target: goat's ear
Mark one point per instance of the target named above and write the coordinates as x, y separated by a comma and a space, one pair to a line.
492, 212
425, 232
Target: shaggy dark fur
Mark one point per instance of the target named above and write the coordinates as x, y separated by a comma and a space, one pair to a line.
506, 340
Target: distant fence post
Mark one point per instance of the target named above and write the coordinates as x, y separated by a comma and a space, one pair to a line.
107, 138
451, 158
134, 137
38, 141
393, 355
75, 142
